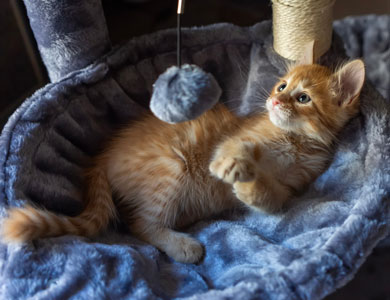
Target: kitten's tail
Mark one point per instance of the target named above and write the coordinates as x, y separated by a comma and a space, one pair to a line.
29, 223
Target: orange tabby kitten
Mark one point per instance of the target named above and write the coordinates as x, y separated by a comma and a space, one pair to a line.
166, 176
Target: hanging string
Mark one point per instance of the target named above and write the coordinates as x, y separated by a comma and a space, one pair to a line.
178, 41
180, 11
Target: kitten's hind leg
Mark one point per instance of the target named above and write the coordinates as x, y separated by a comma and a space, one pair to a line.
180, 246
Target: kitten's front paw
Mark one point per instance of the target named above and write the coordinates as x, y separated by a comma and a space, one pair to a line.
256, 195
246, 192
231, 169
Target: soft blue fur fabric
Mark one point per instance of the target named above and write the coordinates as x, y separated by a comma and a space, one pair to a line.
372, 42
70, 34
315, 246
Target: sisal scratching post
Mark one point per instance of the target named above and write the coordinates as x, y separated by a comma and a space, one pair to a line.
297, 22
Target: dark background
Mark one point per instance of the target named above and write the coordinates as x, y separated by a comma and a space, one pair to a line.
22, 72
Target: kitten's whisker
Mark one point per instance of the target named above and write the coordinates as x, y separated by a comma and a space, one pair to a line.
242, 67
318, 83
261, 96
266, 93
232, 100
242, 75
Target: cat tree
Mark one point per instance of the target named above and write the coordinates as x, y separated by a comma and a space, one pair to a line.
295, 22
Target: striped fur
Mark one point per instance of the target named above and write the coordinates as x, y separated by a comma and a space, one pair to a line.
168, 176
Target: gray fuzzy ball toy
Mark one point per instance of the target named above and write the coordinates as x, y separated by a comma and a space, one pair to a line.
182, 94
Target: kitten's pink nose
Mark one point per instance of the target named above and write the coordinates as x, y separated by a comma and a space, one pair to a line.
275, 102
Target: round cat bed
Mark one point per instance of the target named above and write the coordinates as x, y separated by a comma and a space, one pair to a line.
306, 252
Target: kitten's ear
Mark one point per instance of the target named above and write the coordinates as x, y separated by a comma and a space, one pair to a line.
350, 79
307, 57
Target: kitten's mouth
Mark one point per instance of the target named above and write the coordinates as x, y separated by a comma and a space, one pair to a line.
276, 115
274, 110
279, 120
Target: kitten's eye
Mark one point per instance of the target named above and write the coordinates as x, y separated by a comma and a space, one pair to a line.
281, 87
303, 98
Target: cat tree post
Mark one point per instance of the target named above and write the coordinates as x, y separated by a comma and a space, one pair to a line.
70, 34
297, 22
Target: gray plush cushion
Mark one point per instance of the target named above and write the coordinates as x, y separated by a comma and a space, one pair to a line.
368, 37
306, 252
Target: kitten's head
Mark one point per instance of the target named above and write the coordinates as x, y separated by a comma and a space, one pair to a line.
312, 100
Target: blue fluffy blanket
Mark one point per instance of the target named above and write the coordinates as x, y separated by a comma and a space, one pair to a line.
315, 246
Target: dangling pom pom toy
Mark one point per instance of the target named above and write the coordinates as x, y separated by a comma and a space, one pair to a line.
183, 93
